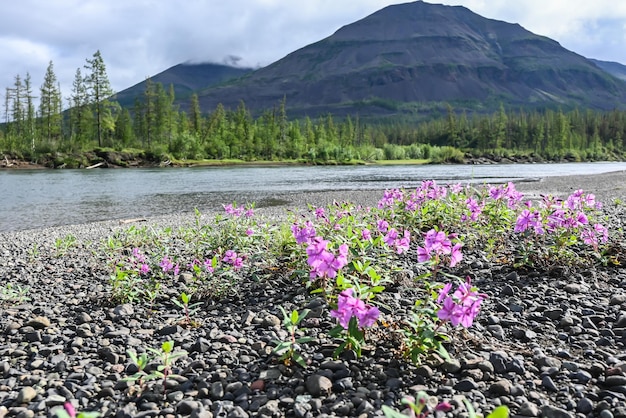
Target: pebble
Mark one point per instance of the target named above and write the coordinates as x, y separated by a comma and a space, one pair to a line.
547, 344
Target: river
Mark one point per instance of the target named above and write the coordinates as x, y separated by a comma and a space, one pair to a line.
42, 198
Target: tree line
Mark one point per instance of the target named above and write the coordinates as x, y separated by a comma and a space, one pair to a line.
93, 119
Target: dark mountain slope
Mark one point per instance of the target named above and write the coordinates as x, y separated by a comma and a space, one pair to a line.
410, 56
186, 79
614, 68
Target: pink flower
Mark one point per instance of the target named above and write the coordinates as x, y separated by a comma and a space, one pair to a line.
348, 306
455, 255
423, 255
403, 244
390, 237
305, 234
449, 311
166, 265
382, 225
320, 213
444, 292
249, 232
69, 408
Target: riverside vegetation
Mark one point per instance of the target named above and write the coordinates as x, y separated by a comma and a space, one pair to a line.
96, 129
350, 262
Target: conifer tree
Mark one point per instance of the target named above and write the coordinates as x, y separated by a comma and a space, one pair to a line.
99, 92
50, 106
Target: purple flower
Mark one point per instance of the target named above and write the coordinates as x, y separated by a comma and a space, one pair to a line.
166, 265
348, 306
403, 244
423, 255
366, 235
249, 232
368, 316
449, 311
320, 213
305, 234
324, 263
455, 255
444, 292
382, 225
390, 237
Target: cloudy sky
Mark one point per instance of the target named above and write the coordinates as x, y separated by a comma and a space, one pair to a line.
139, 38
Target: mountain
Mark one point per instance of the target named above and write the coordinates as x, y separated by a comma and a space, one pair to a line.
409, 58
614, 68
186, 78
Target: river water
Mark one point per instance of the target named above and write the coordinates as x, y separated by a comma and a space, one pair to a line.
41, 198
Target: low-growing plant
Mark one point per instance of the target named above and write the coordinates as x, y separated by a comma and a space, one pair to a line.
165, 356
417, 407
62, 245
13, 294
68, 411
188, 309
289, 351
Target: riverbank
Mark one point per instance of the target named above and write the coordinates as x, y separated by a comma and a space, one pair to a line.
546, 343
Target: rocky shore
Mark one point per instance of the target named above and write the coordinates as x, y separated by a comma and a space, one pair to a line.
546, 343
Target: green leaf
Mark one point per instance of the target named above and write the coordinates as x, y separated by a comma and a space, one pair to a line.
299, 359
470, 408
392, 413
62, 413
167, 346
500, 412
294, 317
185, 298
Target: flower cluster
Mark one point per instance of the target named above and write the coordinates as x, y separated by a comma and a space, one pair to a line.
231, 257
462, 307
393, 239
556, 215
437, 244
349, 306
235, 211
304, 234
324, 263
138, 260
167, 265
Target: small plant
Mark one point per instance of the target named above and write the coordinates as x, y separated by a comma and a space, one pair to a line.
13, 294
289, 350
189, 309
418, 408
140, 361
69, 411
166, 356
62, 245
353, 316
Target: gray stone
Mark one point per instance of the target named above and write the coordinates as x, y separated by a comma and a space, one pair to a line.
26, 395
584, 406
501, 387
549, 411
528, 409
39, 322
549, 384
318, 385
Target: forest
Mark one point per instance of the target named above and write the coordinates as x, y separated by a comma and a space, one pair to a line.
157, 128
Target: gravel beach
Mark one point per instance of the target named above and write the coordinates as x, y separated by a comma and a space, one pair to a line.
546, 343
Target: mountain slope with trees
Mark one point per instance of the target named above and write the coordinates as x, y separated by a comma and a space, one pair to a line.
409, 58
186, 79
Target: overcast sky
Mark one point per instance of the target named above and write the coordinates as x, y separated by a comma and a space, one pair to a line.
139, 38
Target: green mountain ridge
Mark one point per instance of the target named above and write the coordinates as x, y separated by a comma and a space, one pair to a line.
410, 58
